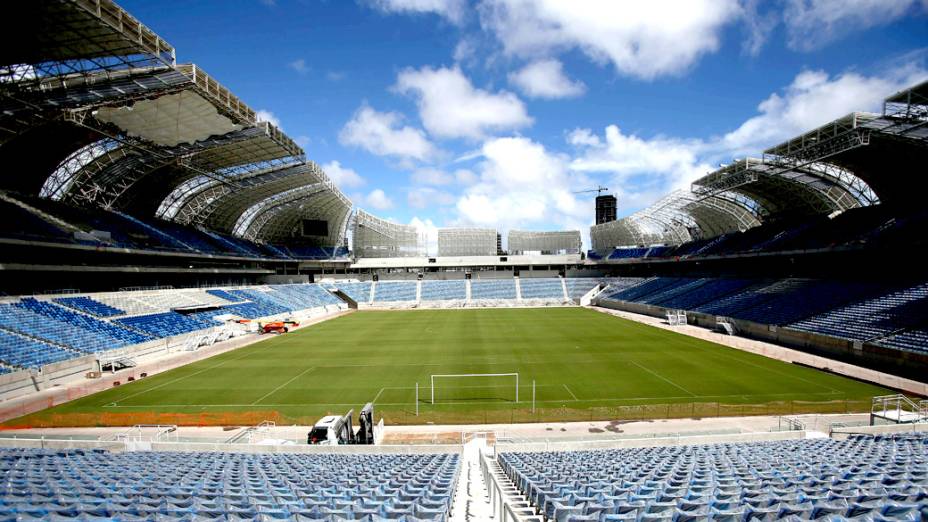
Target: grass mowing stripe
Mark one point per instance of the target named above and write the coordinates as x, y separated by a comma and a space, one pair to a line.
242, 356
549, 401
344, 362
272, 392
661, 377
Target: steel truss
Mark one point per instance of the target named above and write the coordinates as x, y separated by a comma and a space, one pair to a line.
815, 188
467, 242
90, 36
376, 237
274, 217
530, 241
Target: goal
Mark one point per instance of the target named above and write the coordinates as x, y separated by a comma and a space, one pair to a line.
474, 386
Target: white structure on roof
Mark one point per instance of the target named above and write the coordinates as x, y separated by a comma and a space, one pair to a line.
552, 242
467, 242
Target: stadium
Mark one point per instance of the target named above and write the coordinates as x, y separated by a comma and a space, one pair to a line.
197, 322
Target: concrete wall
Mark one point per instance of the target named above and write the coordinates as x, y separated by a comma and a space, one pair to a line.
885, 429
398, 276
444, 276
492, 274
649, 442
119, 446
17, 384
284, 279
525, 274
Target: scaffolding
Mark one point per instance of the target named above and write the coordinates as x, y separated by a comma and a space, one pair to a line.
460, 242
554, 242
376, 237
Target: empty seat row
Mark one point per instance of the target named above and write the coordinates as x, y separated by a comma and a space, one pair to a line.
76, 484
542, 288
862, 478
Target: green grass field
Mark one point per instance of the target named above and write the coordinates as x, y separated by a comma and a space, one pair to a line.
585, 364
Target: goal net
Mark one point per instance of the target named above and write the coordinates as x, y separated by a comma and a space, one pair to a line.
475, 387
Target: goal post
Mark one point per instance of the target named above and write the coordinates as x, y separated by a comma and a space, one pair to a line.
472, 376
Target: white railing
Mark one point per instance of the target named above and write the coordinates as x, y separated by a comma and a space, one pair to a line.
898, 408
250, 432
791, 424
499, 506
137, 432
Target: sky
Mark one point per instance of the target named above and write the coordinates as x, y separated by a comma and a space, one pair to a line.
495, 113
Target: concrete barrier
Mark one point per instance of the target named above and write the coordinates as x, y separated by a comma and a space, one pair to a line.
650, 442
120, 446
885, 429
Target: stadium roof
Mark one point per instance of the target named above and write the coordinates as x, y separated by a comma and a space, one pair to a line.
51, 38
880, 149
859, 160
780, 188
96, 104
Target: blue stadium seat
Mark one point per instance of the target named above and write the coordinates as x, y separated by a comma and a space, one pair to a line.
873, 478
98, 485
88, 305
395, 291
493, 289
542, 288
444, 290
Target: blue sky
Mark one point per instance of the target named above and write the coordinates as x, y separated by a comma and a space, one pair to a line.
491, 113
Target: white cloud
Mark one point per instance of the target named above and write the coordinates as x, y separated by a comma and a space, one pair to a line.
759, 26
451, 107
642, 170
465, 177
268, 116
379, 200
383, 133
546, 79
343, 177
335, 76
302, 140
299, 65
522, 185
813, 23
423, 197
813, 99
452, 10
641, 39
431, 176
465, 50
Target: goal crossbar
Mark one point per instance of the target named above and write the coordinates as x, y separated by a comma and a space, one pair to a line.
442, 375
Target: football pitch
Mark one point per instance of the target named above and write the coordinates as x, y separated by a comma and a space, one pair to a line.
582, 365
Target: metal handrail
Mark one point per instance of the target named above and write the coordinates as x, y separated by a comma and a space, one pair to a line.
495, 492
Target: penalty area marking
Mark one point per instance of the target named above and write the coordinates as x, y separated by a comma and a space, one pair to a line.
272, 392
570, 392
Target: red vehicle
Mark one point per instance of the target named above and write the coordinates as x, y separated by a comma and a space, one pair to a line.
278, 326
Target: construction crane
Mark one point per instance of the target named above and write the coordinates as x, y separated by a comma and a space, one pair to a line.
598, 190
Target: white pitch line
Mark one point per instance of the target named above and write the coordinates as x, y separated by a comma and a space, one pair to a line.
377, 396
272, 392
553, 401
787, 375
172, 381
571, 393
661, 377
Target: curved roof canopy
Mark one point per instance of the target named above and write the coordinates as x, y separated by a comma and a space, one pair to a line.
146, 134
786, 189
880, 149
